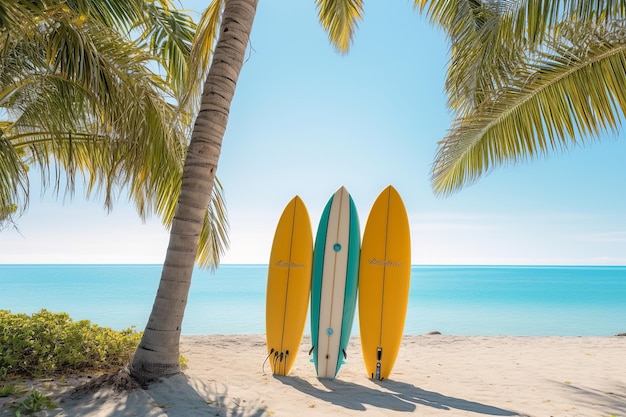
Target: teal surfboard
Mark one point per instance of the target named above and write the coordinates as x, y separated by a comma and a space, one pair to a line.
334, 283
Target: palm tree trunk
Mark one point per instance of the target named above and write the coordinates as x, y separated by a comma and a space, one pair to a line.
158, 353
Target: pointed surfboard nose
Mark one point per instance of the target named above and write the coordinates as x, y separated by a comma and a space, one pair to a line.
384, 278
335, 282
288, 285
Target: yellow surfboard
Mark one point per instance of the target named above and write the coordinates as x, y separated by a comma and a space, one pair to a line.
288, 286
384, 276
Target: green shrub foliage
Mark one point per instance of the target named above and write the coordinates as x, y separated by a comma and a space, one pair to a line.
34, 401
47, 344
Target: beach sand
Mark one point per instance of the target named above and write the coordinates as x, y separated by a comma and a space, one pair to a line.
435, 375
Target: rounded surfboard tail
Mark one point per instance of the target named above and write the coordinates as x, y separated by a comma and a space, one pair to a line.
334, 283
384, 278
288, 286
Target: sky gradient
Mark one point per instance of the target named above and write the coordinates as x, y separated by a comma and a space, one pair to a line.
306, 120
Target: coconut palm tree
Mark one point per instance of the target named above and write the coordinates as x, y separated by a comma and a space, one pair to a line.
78, 97
525, 78
158, 351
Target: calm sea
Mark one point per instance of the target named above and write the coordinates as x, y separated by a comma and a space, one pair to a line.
477, 300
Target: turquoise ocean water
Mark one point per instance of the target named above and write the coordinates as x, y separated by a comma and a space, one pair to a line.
464, 300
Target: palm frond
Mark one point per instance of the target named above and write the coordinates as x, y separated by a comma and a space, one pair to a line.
559, 99
481, 62
170, 34
81, 101
214, 235
13, 180
531, 20
339, 18
459, 18
200, 57
484, 49
12, 13
113, 14
534, 19
83, 90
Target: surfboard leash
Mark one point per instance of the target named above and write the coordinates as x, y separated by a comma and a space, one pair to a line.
265, 361
278, 358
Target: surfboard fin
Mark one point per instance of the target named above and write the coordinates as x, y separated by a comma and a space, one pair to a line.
379, 356
274, 359
344, 360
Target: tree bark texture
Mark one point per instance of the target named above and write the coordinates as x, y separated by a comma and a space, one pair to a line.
159, 350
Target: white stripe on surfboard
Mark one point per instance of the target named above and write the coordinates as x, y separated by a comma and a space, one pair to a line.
333, 284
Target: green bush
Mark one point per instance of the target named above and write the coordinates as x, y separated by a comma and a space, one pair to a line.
47, 344
34, 401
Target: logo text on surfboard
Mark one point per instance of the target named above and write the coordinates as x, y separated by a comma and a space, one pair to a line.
384, 262
284, 264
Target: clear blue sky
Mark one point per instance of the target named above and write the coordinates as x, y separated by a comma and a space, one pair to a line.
306, 120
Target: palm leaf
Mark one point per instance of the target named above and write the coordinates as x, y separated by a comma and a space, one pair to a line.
81, 101
214, 235
488, 38
531, 20
200, 57
170, 34
13, 179
112, 14
534, 19
484, 49
340, 20
559, 99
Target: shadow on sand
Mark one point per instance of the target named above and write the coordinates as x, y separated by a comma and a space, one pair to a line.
174, 396
392, 395
412, 394
613, 401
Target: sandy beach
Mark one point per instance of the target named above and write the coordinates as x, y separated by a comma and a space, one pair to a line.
435, 375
